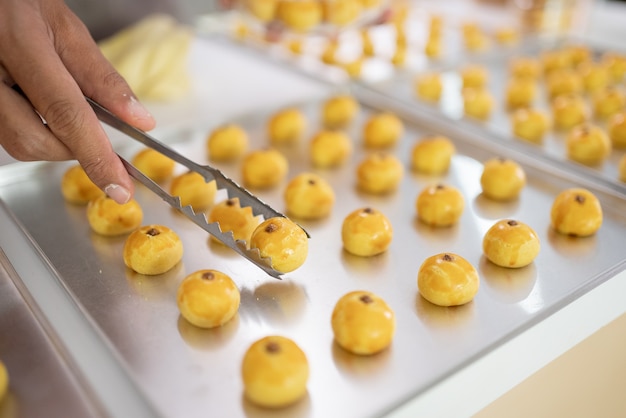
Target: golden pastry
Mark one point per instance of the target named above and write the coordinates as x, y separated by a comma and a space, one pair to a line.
363, 323
447, 280
622, 168
616, 64
477, 103
193, 190
296, 46
152, 250
617, 129
588, 144
232, 217
428, 86
275, 372
300, 15
330, 149
433, 46
379, 173
264, 10
208, 298
264, 168
474, 76
77, 187
286, 126
502, 179
339, 111
555, 60
309, 196
510, 243
474, 38
526, 67
382, 130
367, 44
283, 241
399, 56
507, 35
578, 54
329, 54
366, 232
576, 212
341, 12
153, 164
440, 205
608, 101
107, 217
595, 77
564, 82
432, 155
568, 111
520, 92
353, 68
530, 124
227, 143
435, 25
4, 381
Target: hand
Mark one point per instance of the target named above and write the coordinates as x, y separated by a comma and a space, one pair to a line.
49, 53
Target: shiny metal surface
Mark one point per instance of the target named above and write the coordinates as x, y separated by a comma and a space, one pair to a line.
32, 354
186, 371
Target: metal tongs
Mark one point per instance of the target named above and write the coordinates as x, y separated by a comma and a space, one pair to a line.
209, 174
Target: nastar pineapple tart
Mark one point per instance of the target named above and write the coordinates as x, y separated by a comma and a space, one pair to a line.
109, 218
440, 205
309, 196
502, 179
152, 250
283, 241
379, 173
576, 212
193, 190
232, 217
511, 243
286, 126
227, 143
330, 148
77, 187
264, 168
447, 279
432, 155
154, 165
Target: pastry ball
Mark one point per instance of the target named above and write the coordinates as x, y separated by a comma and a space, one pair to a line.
617, 129
432, 155
366, 232
232, 217
555, 60
227, 143
520, 92
530, 124
330, 52
208, 298
578, 54
341, 12
595, 77
477, 103
330, 148
622, 168
4, 381
379, 173
399, 56
152, 249
339, 111
363, 323
353, 68
588, 144
193, 190
286, 126
576, 212
309, 196
616, 64
474, 76
264, 168
153, 164
510, 243
528, 67
107, 217
564, 82
502, 179
283, 241
447, 280
382, 130
568, 111
608, 102
275, 372
428, 86
433, 47
264, 10
77, 187
440, 205
300, 15
507, 35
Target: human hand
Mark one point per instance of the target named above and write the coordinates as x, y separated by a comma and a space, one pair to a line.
49, 53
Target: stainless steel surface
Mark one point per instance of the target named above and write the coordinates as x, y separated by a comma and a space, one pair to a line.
186, 371
209, 174
32, 354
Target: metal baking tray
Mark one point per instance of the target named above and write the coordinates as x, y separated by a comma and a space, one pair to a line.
497, 128
187, 371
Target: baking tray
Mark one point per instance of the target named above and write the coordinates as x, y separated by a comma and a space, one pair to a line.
186, 371
497, 128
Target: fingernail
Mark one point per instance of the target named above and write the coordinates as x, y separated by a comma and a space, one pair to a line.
137, 110
118, 193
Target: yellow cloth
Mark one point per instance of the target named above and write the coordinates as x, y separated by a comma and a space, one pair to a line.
152, 56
